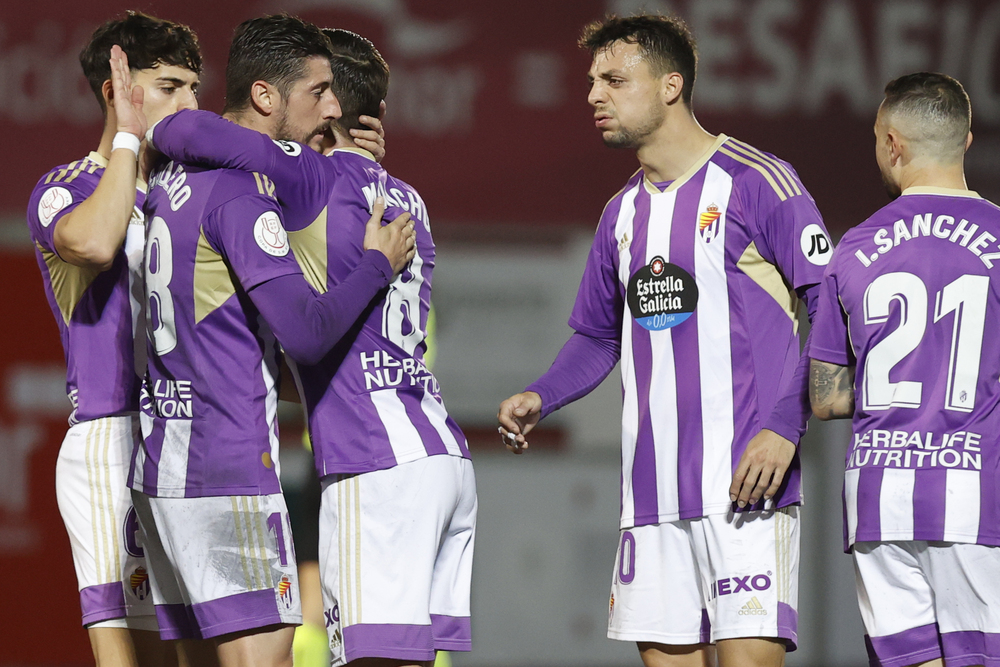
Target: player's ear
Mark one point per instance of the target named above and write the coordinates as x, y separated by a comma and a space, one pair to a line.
968, 141
264, 97
108, 92
895, 146
672, 87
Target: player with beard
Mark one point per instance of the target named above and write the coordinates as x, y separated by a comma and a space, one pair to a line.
692, 282
87, 227
901, 344
391, 460
223, 290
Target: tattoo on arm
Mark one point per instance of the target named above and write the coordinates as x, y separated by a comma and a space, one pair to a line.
831, 390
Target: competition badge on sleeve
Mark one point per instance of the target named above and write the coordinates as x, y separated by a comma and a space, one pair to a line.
661, 295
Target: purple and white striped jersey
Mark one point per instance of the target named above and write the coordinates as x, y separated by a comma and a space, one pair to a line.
909, 299
698, 277
210, 398
98, 312
372, 402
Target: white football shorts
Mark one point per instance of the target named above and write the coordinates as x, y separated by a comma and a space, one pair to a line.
219, 564
697, 581
926, 600
96, 507
395, 553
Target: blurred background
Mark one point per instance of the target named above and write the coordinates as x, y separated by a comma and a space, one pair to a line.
487, 117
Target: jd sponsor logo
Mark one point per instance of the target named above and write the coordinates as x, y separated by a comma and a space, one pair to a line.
332, 616
816, 245
661, 295
747, 584
753, 608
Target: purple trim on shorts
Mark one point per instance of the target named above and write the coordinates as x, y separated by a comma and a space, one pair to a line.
788, 626
379, 640
103, 602
706, 628
908, 647
451, 633
235, 613
971, 648
176, 622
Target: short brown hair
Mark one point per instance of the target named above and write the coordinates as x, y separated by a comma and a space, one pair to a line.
937, 104
146, 40
665, 41
360, 77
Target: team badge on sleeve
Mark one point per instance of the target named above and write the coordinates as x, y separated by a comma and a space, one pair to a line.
270, 235
54, 200
661, 295
816, 245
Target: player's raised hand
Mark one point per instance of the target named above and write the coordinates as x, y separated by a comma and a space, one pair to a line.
761, 469
372, 140
128, 99
397, 240
517, 416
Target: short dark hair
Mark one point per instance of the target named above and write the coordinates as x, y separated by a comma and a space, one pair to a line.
272, 49
360, 77
665, 41
146, 40
937, 102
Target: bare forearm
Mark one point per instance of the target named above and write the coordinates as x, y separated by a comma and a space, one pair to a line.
91, 234
831, 390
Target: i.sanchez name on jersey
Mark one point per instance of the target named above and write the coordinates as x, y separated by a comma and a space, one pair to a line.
209, 404
99, 313
372, 402
912, 297
699, 278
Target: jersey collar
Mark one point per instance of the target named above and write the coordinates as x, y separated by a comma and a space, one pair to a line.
947, 192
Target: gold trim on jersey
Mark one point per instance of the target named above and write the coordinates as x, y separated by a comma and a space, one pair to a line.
68, 281
948, 192
699, 163
214, 284
767, 276
100, 161
784, 175
309, 246
354, 149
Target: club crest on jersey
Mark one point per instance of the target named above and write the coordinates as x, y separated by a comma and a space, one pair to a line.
816, 245
284, 589
661, 295
54, 200
138, 581
289, 147
708, 223
270, 235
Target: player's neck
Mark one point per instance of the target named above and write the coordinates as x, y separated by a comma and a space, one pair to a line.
934, 175
108, 136
252, 121
674, 148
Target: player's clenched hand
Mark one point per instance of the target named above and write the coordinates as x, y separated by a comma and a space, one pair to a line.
761, 468
372, 140
127, 98
517, 416
397, 240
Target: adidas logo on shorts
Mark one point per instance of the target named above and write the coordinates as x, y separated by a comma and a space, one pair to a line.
753, 608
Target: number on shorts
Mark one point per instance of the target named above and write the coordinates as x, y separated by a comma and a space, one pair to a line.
131, 530
626, 558
275, 527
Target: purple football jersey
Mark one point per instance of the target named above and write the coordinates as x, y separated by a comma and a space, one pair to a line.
98, 312
372, 402
698, 278
210, 398
908, 299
